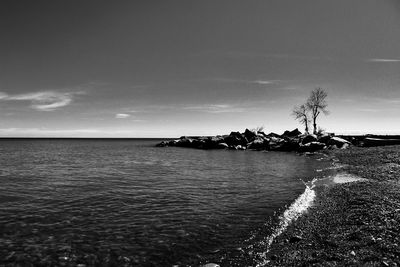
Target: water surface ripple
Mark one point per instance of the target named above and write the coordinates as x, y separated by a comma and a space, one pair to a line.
125, 202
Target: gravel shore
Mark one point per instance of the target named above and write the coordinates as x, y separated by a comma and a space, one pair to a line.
351, 224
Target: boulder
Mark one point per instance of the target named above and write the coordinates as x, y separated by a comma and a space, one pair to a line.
309, 138
222, 146
339, 142
293, 133
236, 138
240, 147
273, 135
311, 147
173, 142
212, 142
162, 144
276, 144
184, 142
290, 145
259, 143
324, 138
250, 135
261, 133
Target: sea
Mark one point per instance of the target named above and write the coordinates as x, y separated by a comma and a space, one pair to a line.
125, 202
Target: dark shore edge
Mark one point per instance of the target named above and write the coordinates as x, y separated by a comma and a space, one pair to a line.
351, 224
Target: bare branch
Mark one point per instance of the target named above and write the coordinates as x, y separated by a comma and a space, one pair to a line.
316, 103
301, 114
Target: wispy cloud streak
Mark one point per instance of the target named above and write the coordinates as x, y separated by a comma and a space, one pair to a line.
264, 82
383, 60
122, 116
217, 108
43, 101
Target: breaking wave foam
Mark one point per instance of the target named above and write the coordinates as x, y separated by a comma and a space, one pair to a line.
295, 210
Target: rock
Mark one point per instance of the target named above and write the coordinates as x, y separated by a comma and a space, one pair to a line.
339, 142
309, 138
250, 135
184, 142
162, 144
345, 146
290, 145
259, 143
261, 133
240, 147
293, 133
324, 138
222, 146
273, 135
236, 138
217, 139
276, 144
311, 147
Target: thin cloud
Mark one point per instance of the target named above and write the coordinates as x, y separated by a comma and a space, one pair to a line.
122, 116
383, 60
42, 131
43, 101
277, 56
373, 110
244, 81
264, 82
217, 108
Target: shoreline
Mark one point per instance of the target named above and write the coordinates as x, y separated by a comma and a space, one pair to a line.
350, 223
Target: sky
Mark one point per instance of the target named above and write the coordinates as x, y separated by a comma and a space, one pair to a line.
167, 68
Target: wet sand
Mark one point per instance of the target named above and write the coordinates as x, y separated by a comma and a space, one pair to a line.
351, 223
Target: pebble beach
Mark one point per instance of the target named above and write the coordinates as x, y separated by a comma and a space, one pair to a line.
350, 224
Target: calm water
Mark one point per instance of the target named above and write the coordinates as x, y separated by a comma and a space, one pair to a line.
125, 202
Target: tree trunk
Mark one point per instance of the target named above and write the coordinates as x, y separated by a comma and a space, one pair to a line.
315, 125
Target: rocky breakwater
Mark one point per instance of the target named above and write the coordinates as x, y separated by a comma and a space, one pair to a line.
288, 141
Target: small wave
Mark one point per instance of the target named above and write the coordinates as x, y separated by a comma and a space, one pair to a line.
295, 210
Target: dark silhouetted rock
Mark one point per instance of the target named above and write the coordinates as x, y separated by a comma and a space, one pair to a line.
250, 135
309, 138
290, 145
162, 144
259, 143
293, 133
222, 146
273, 135
324, 138
276, 144
236, 138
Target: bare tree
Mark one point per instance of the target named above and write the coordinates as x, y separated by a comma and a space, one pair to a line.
301, 113
316, 103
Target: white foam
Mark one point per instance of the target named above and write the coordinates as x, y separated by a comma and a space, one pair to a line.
300, 205
342, 178
295, 210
